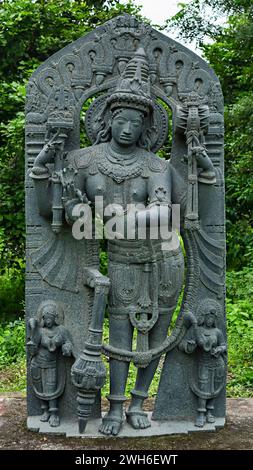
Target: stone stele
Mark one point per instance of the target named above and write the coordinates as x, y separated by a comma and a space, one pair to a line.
128, 78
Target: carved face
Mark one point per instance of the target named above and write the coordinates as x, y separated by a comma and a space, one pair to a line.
210, 319
127, 126
49, 316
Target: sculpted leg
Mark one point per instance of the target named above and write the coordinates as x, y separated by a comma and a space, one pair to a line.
45, 413
54, 419
135, 415
121, 333
209, 413
201, 416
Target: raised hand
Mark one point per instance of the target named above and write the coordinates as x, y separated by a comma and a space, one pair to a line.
67, 180
47, 153
56, 141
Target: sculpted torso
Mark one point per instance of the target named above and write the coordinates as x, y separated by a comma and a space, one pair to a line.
144, 279
142, 178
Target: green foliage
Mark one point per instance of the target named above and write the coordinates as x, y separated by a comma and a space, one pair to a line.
12, 227
240, 285
193, 21
12, 356
231, 57
12, 342
240, 317
240, 332
103, 259
13, 377
30, 32
239, 181
230, 54
132, 370
240, 368
200, 19
11, 294
240, 345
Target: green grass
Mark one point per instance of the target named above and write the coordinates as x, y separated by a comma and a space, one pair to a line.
240, 368
240, 345
132, 370
12, 357
13, 377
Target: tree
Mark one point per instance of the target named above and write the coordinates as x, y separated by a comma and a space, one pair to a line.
30, 32
230, 54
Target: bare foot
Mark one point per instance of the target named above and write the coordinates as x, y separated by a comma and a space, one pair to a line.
54, 420
138, 419
111, 425
45, 416
210, 417
200, 420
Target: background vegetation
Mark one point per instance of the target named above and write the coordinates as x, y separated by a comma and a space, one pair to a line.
32, 31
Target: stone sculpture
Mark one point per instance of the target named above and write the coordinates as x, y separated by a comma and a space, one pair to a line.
208, 380
47, 337
120, 181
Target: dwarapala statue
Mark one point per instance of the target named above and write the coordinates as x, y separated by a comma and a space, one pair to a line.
208, 380
146, 266
47, 340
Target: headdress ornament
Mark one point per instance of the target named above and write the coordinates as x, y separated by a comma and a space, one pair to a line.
133, 87
57, 313
133, 90
206, 307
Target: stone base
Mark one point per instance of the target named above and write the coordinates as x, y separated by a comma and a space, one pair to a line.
158, 428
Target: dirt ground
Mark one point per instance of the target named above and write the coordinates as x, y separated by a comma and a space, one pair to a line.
236, 435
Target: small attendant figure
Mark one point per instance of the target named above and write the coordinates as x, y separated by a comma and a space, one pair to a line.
48, 339
209, 343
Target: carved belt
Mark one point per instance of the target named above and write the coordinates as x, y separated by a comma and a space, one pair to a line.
138, 251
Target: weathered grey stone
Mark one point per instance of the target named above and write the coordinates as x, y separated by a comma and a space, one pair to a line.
158, 428
237, 434
126, 66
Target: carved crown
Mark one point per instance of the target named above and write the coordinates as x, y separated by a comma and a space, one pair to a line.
133, 88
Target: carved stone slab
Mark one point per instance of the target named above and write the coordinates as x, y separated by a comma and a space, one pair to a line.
193, 374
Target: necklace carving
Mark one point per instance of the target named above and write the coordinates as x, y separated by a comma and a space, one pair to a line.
121, 167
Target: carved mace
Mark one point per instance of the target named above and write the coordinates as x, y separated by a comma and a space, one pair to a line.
88, 372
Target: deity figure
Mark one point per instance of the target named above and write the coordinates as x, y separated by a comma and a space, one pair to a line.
208, 341
145, 279
48, 339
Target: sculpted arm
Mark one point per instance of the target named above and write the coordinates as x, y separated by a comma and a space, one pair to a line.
159, 200
41, 178
34, 337
67, 346
72, 181
221, 348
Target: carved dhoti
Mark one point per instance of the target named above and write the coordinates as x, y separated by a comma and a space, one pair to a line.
47, 383
143, 276
211, 377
